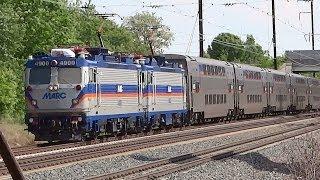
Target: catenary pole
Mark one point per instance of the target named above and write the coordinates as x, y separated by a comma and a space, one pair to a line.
274, 39
201, 29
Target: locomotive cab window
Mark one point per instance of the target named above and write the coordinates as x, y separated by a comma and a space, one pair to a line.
39, 76
69, 75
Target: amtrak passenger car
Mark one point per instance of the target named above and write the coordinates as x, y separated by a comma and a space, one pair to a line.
77, 95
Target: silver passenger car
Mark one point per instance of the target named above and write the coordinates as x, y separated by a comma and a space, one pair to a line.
224, 90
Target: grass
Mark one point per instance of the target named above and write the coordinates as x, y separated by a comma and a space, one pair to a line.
15, 134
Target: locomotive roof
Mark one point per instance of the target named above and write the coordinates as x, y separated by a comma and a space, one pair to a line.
99, 61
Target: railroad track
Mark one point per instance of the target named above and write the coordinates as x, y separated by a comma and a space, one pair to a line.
101, 150
46, 147
167, 166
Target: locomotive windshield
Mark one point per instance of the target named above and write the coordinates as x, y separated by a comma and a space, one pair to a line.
69, 75
40, 76
64, 75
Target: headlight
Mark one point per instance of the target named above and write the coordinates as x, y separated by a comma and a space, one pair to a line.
34, 102
79, 118
55, 87
50, 87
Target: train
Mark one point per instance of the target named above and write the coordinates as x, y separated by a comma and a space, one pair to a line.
84, 93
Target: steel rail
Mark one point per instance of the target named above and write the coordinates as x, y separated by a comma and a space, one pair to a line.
138, 144
190, 160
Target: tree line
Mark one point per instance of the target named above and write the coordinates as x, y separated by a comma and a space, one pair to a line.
32, 26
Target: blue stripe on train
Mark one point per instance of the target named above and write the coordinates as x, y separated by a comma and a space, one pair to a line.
112, 88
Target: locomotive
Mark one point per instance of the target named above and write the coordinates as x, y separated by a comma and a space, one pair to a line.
80, 93
83, 95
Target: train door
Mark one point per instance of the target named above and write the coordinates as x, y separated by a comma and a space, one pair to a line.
195, 98
141, 93
94, 87
309, 91
231, 86
146, 93
150, 88
239, 100
292, 92
98, 87
268, 90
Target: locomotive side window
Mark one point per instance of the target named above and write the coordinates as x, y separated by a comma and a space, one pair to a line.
92, 75
150, 78
40, 76
69, 75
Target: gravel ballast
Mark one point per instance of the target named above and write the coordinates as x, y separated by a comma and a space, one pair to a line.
239, 167
268, 163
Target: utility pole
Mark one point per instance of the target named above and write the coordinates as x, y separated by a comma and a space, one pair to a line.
312, 31
274, 39
201, 29
312, 26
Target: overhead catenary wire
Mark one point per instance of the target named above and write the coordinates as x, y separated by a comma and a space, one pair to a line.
192, 34
170, 7
236, 46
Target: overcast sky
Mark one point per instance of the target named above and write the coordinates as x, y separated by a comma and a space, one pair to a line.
240, 19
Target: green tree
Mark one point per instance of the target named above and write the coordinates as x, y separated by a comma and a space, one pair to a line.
149, 28
253, 53
30, 26
226, 47
230, 47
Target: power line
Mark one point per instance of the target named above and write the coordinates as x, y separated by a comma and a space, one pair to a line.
236, 46
278, 19
191, 35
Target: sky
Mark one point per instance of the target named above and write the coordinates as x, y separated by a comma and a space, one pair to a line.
254, 17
